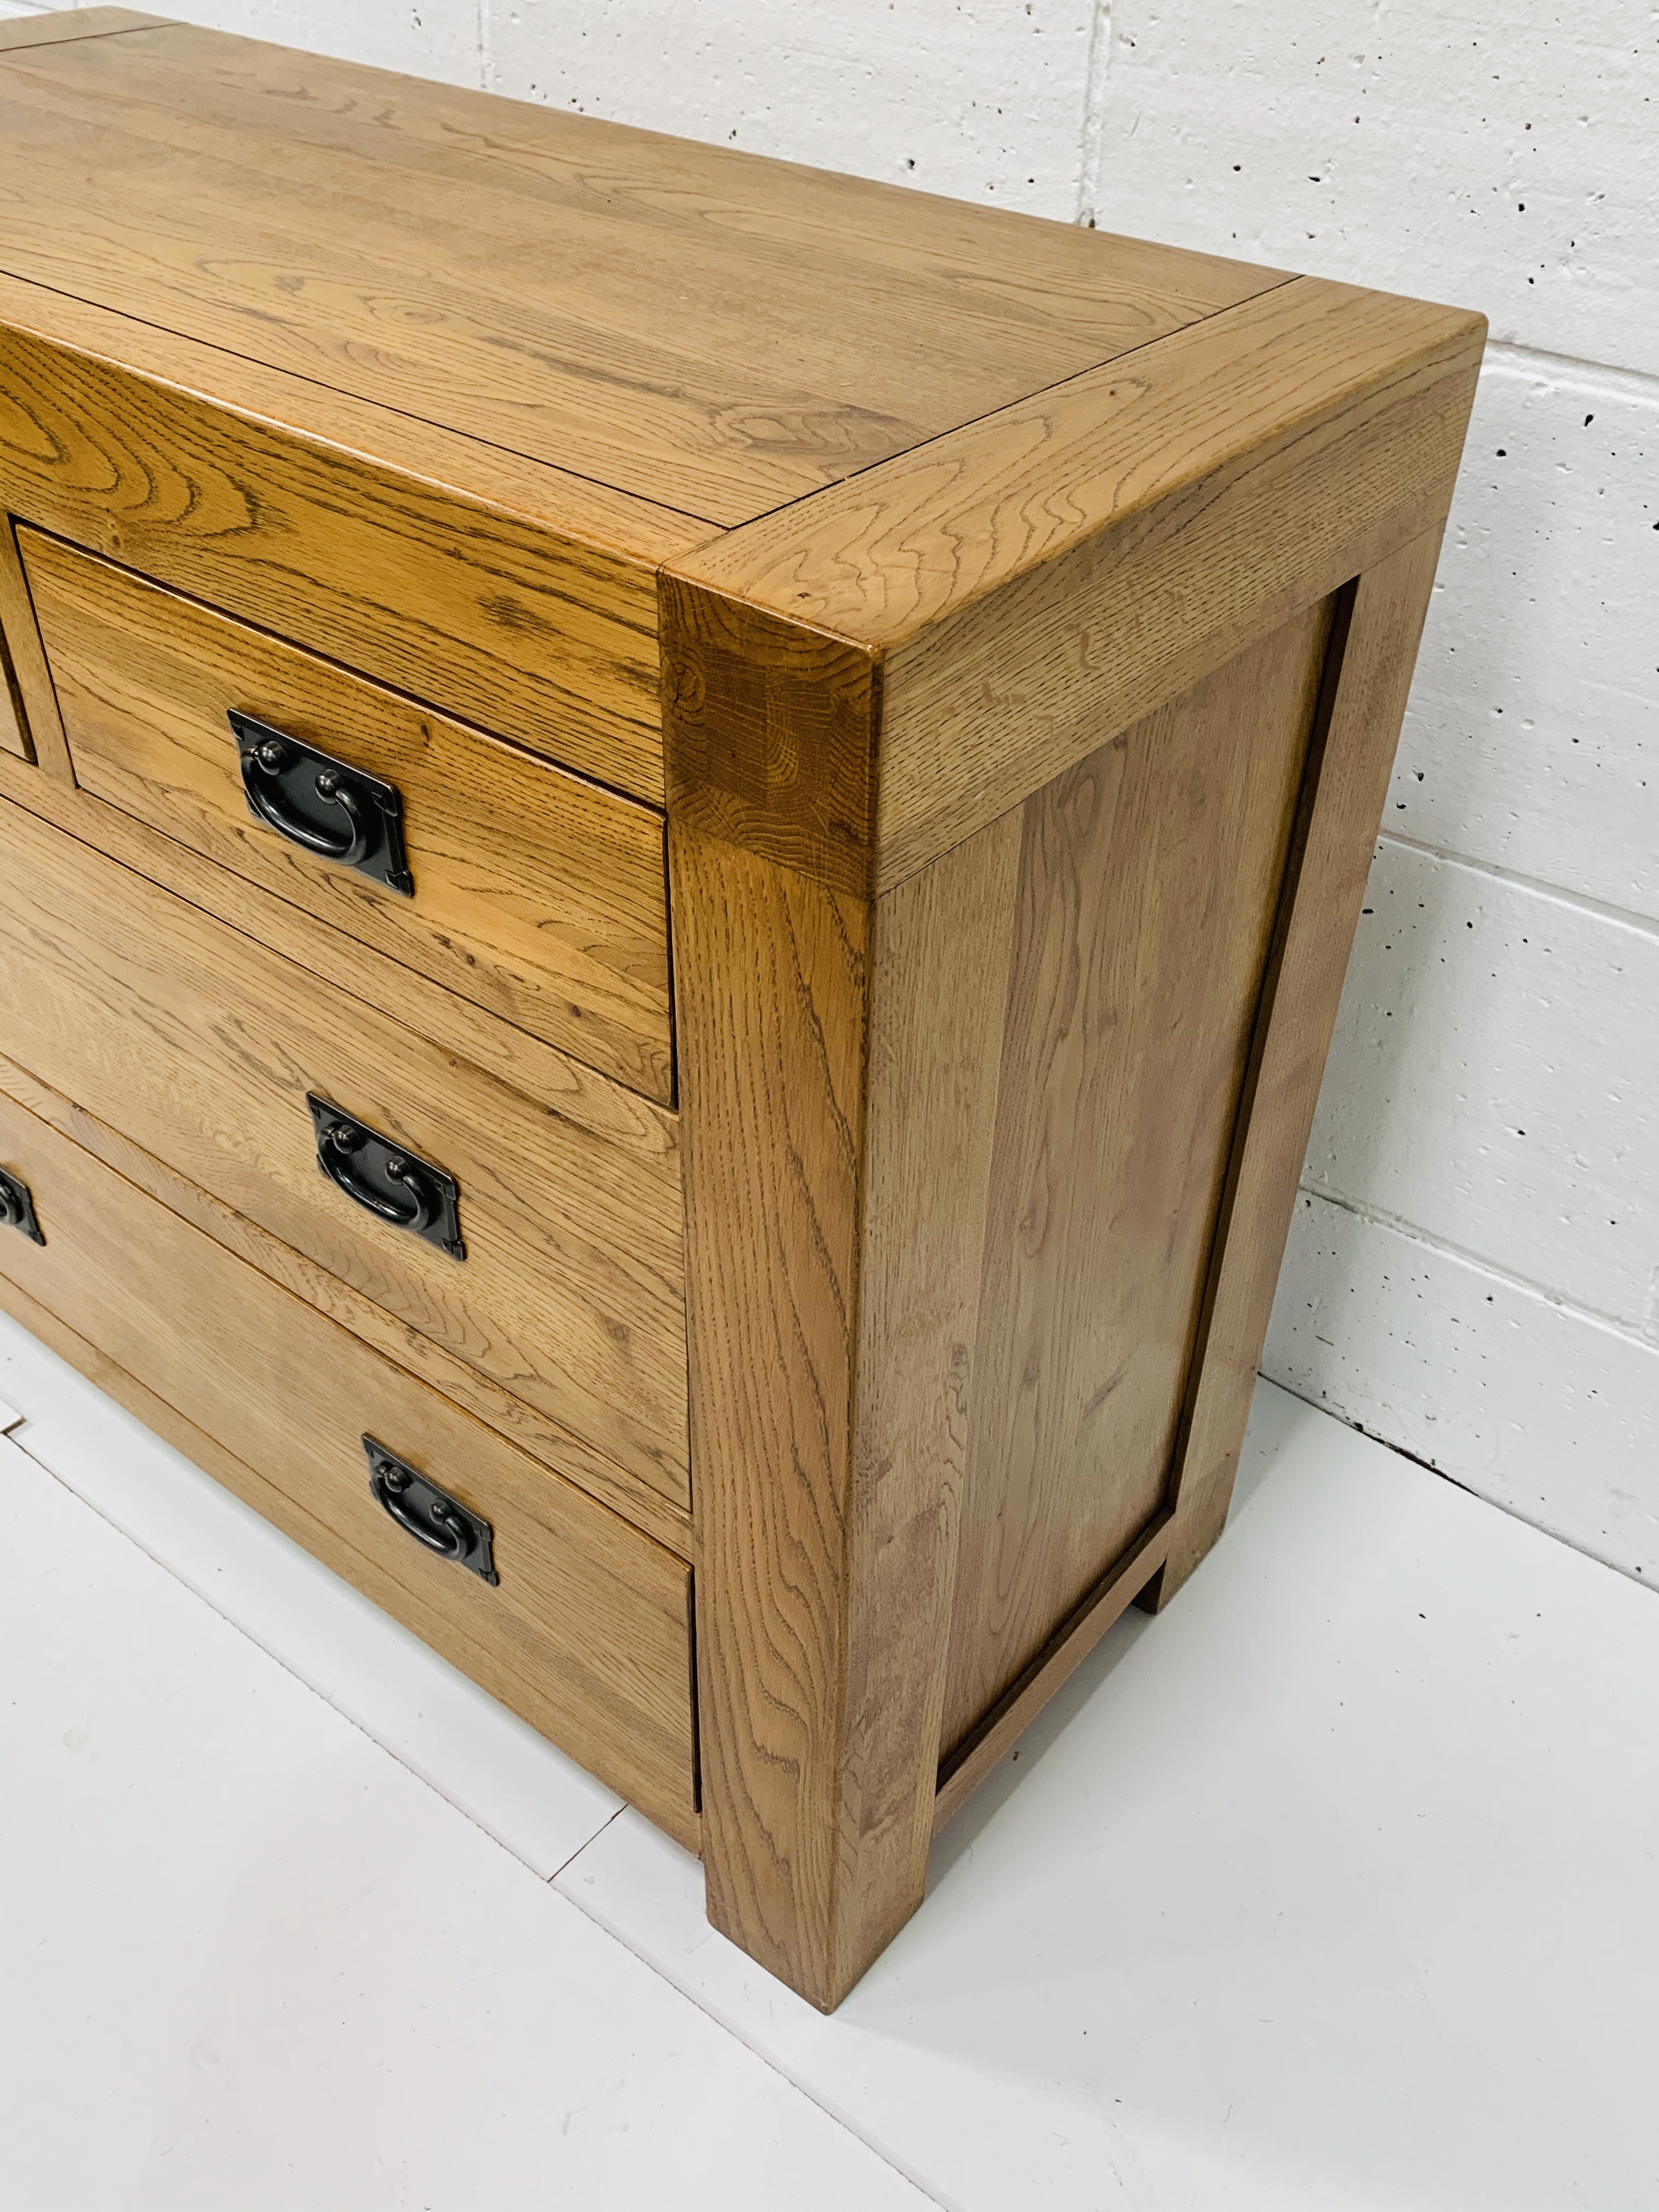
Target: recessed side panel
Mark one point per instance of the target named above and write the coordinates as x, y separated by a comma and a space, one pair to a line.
1149, 879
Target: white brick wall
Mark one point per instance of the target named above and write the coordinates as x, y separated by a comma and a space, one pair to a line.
983, 100
1473, 1274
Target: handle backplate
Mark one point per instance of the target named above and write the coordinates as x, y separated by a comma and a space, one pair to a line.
386, 1178
17, 1207
322, 804
431, 1515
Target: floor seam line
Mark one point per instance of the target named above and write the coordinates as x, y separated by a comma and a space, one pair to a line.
13, 1438
887, 2158
587, 1845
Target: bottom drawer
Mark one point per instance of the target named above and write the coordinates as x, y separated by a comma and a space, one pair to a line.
586, 1634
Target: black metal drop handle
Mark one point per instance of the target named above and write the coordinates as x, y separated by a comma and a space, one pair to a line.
386, 1178
430, 1515
263, 763
17, 1207
426, 1202
440, 1532
361, 816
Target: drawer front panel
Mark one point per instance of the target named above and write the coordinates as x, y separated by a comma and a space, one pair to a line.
586, 1633
536, 894
204, 1048
548, 641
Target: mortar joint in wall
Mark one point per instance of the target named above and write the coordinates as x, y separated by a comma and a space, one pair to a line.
1092, 153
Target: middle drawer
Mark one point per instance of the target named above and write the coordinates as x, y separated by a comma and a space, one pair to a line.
202, 1046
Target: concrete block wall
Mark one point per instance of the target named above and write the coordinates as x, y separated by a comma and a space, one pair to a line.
1473, 1272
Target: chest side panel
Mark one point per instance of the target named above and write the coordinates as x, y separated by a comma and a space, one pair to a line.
1148, 885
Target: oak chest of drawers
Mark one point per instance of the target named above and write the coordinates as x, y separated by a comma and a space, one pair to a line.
677, 840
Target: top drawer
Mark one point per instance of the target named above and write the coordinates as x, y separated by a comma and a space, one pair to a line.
538, 896
509, 593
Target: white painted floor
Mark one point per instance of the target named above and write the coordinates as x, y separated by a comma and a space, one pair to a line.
1337, 1888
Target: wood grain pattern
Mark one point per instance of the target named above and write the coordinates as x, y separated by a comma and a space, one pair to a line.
941, 948
770, 729
984, 274
1148, 881
513, 283
587, 1634
571, 507
201, 1046
771, 980
1051, 574
538, 896
840, 1073
30, 697
571, 1090
519, 1683
1301, 991
669, 1525
63, 23
495, 616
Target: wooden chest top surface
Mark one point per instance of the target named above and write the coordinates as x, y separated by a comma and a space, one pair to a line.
699, 328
